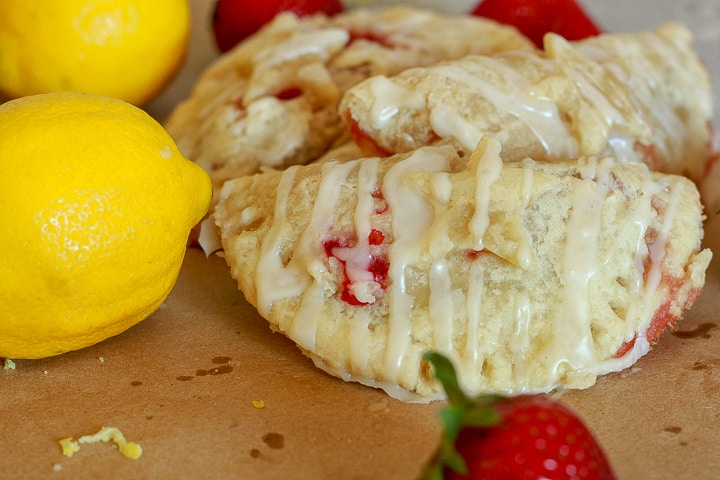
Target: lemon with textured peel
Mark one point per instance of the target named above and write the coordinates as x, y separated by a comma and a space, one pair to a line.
97, 204
129, 49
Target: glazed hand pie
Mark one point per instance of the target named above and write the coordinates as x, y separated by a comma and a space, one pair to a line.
396, 181
272, 101
638, 97
529, 275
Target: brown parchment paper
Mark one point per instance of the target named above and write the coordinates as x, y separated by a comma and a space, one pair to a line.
183, 382
187, 382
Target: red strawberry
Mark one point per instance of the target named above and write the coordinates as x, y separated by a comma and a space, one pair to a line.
235, 20
528, 437
377, 265
534, 18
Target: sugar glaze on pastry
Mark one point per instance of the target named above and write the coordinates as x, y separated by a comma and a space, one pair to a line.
271, 102
643, 96
531, 276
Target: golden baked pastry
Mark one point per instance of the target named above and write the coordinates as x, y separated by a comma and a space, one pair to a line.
529, 275
272, 101
642, 96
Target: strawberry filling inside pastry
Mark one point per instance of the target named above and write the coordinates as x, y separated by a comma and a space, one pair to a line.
359, 276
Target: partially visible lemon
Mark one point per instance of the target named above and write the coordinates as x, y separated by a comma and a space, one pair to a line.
128, 49
96, 204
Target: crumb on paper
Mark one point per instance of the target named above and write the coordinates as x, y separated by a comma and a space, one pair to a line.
128, 449
57, 467
259, 404
69, 446
630, 371
101, 359
8, 364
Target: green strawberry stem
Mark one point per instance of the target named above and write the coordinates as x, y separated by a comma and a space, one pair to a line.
461, 411
445, 372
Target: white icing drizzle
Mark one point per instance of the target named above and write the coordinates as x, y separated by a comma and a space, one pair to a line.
357, 257
668, 124
658, 249
639, 221
665, 123
476, 291
303, 329
645, 286
615, 364
587, 88
412, 218
441, 305
528, 181
572, 341
309, 252
520, 341
360, 337
274, 280
488, 170
449, 123
437, 236
624, 100
441, 187
622, 146
389, 98
525, 254
320, 43
540, 115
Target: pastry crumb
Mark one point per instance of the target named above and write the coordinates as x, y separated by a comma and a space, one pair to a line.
259, 404
69, 446
130, 450
8, 364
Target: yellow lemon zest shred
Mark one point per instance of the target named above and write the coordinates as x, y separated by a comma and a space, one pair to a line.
69, 446
131, 450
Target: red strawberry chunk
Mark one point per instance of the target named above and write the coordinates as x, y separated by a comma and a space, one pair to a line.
376, 237
377, 266
370, 36
235, 20
367, 145
663, 318
535, 18
289, 94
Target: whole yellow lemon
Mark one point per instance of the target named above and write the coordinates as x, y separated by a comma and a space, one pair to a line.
128, 49
96, 204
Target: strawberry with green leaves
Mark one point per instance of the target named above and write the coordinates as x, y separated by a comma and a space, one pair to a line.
235, 20
534, 18
528, 437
